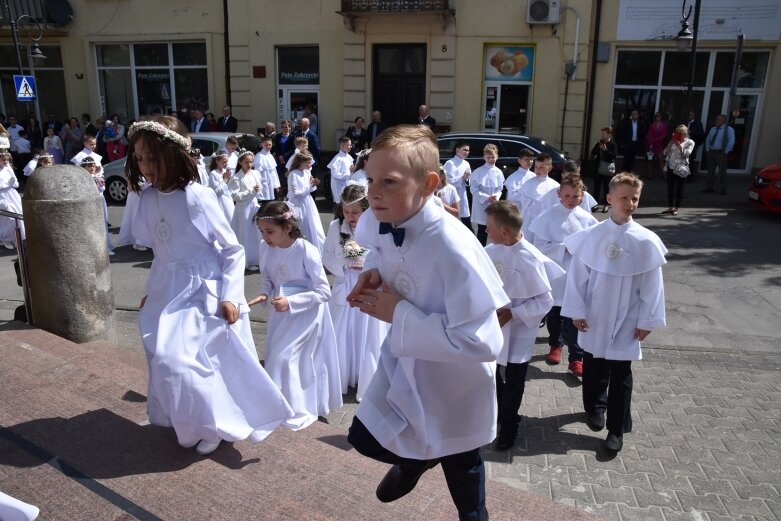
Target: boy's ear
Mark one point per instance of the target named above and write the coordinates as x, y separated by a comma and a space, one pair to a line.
430, 183
609, 198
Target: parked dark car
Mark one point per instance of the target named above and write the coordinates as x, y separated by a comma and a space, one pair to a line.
765, 191
509, 146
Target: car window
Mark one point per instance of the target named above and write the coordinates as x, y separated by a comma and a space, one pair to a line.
513, 148
206, 146
446, 148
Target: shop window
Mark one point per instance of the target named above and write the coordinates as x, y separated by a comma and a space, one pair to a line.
150, 54
113, 55
677, 69
638, 67
753, 69
191, 84
627, 100
116, 87
189, 53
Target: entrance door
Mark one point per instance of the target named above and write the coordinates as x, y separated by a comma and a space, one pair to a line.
293, 101
513, 108
399, 81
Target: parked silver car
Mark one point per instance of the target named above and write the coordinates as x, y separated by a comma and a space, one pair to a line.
206, 142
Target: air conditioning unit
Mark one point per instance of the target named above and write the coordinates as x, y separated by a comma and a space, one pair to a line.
543, 12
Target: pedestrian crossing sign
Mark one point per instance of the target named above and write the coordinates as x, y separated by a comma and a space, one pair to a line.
25, 88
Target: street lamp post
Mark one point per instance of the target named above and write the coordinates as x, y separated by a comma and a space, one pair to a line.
35, 51
688, 38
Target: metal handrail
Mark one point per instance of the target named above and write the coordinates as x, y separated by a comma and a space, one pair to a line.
21, 248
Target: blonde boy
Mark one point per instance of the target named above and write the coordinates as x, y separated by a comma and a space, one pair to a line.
302, 145
410, 416
486, 185
615, 298
527, 275
341, 168
534, 189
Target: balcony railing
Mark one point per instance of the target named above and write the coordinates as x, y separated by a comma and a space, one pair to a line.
60, 15
393, 6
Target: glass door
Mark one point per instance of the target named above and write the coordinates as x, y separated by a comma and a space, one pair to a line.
744, 110
513, 111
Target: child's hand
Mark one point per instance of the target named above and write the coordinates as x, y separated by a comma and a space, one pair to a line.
466, 175
491, 198
260, 299
257, 188
280, 304
229, 311
580, 324
368, 280
143, 301
379, 304
315, 181
504, 316
640, 334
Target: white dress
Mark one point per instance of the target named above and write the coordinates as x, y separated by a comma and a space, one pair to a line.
220, 187
205, 379
299, 188
358, 335
359, 177
340, 174
242, 187
301, 353
11, 201
129, 215
455, 169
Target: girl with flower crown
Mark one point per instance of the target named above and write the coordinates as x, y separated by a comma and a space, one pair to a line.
301, 184
358, 335
300, 344
219, 176
10, 199
245, 187
205, 379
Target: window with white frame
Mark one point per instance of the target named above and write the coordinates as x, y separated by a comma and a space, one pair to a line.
142, 78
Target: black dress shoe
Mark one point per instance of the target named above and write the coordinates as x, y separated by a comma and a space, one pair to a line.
614, 442
506, 438
596, 421
400, 481
708, 191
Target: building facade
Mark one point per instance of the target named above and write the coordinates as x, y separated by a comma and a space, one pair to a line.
477, 65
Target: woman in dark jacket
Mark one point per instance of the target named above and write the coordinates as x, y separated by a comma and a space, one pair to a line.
604, 157
284, 146
358, 135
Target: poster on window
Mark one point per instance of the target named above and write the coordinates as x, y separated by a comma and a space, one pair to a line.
508, 64
719, 19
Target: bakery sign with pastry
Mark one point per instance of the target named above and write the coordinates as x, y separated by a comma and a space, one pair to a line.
508, 64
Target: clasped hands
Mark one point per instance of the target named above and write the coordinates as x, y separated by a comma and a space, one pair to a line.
374, 297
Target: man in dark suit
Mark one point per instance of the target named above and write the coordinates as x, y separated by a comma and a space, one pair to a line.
696, 134
630, 140
197, 121
424, 118
311, 137
376, 127
227, 123
86, 121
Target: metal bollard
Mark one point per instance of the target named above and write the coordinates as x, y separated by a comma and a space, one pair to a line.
67, 260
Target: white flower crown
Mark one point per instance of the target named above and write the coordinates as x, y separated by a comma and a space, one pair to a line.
162, 131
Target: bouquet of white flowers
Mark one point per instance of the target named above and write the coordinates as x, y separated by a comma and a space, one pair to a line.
351, 250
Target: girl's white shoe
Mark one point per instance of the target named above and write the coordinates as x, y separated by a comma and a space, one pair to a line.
207, 447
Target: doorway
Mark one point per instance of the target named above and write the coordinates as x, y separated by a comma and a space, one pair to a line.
293, 101
399, 81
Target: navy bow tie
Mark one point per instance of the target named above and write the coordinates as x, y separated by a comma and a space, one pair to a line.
398, 233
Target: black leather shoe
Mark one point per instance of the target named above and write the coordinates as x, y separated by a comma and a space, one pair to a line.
708, 191
400, 481
596, 421
506, 438
614, 442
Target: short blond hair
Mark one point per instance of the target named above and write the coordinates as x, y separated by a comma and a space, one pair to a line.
573, 180
416, 145
625, 179
490, 147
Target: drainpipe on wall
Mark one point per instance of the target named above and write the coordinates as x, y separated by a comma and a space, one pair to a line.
585, 149
226, 45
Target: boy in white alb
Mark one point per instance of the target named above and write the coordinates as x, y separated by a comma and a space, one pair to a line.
615, 297
533, 190
432, 399
458, 172
266, 166
232, 147
486, 185
340, 167
302, 145
515, 181
89, 151
527, 275
550, 229
551, 199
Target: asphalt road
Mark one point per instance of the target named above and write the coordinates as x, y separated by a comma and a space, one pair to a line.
722, 281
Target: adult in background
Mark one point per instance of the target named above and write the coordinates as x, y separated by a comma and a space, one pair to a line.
656, 139
211, 123
88, 126
357, 135
677, 153
630, 140
310, 113
34, 133
227, 123
424, 118
311, 137
604, 154
284, 147
269, 130
197, 121
696, 134
72, 134
53, 124
375, 127
718, 144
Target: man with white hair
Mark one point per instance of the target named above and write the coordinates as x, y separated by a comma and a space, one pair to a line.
311, 137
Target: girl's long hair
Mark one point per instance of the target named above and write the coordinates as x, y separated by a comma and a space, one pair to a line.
274, 211
176, 169
299, 159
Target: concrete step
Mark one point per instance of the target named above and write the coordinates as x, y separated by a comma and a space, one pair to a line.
74, 441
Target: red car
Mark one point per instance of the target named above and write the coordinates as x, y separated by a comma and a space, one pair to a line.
765, 191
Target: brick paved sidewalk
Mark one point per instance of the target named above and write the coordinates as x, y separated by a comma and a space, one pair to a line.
705, 443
